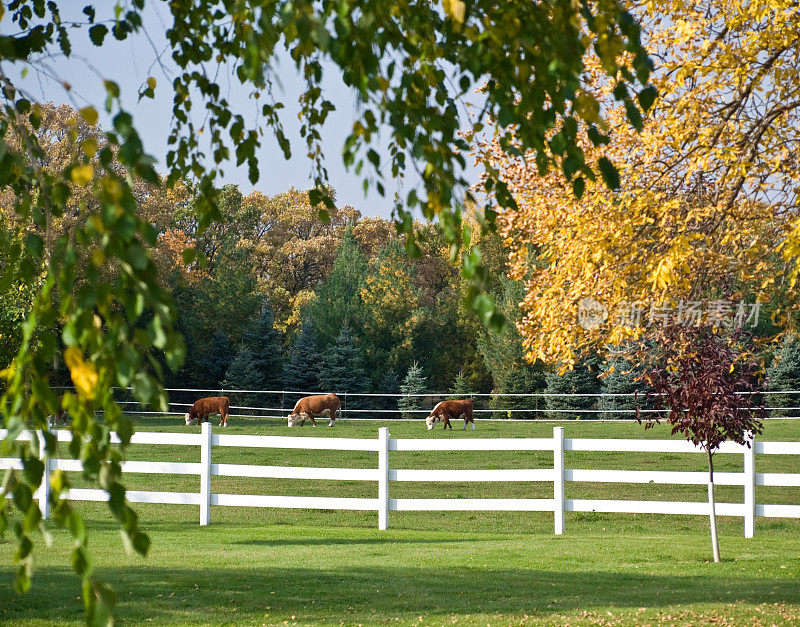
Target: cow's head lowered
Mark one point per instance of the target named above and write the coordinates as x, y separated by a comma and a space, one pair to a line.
205, 407
295, 418
309, 407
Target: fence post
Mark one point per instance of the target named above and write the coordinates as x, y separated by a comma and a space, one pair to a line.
383, 479
205, 473
750, 487
558, 479
44, 489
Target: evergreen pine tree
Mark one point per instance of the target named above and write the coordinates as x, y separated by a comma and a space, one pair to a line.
342, 371
390, 384
460, 388
414, 383
579, 380
216, 361
338, 301
301, 372
264, 342
243, 375
524, 379
505, 359
784, 374
621, 380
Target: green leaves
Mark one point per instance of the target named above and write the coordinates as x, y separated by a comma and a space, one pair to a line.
35, 244
99, 600
647, 97
97, 34
578, 186
608, 172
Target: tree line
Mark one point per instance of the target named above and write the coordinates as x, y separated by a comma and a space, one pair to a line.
273, 298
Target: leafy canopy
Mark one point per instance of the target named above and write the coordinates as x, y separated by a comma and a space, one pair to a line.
708, 201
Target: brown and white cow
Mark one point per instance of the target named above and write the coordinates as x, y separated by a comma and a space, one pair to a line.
446, 410
311, 406
204, 407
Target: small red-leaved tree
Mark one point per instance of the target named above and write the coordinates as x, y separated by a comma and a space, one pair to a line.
709, 385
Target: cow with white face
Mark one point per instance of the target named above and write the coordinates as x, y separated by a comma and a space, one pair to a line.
205, 407
446, 410
309, 407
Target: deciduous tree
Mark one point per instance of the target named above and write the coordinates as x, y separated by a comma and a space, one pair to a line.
504, 356
707, 204
392, 311
294, 251
708, 382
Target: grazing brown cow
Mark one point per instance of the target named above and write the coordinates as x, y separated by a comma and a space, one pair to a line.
204, 407
311, 406
446, 410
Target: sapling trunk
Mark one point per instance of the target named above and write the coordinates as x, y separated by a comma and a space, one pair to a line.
711, 504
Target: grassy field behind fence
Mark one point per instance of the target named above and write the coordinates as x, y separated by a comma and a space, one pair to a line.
264, 566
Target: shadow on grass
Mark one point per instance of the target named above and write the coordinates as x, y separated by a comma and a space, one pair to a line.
221, 595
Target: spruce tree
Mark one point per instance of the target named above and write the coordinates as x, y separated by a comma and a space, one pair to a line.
243, 375
389, 384
338, 301
784, 374
579, 380
301, 372
522, 380
414, 383
342, 370
216, 361
265, 344
505, 358
623, 378
460, 388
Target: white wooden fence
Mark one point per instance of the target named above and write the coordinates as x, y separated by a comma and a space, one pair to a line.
558, 475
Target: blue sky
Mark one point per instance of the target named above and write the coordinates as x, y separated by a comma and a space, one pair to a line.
131, 62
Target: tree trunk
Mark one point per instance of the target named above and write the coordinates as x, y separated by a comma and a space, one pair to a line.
712, 510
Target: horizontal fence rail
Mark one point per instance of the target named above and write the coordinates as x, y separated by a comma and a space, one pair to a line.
383, 475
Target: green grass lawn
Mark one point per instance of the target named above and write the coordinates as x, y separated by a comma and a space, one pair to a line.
264, 566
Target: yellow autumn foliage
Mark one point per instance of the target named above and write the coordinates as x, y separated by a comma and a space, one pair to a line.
84, 375
82, 174
708, 196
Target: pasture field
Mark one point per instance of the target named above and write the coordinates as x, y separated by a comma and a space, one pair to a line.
307, 567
